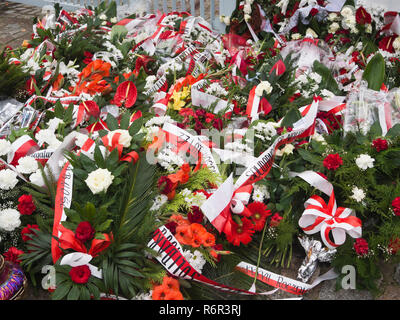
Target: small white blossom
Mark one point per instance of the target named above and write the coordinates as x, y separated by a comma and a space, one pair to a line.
5, 147
358, 194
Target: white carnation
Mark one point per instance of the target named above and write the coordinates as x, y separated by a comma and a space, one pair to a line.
8, 179
310, 32
99, 180
364, 161
27, 165
9, 219
54, 123
358, 194
346, 12
37, 178
5, 147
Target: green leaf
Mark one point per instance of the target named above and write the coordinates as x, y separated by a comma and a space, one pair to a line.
135, 127
75, 293
374, 73
118, 33
394, 131
328, 81
104, 226
308, 156
112, 123
291, 117
61, 291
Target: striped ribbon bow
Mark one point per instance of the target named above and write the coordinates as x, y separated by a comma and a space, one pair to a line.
224, 201
326, 218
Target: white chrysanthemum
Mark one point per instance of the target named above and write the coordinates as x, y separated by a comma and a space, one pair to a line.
99, 180
45, 135
8, 179
358, 194
258, 196
124, 138
158, 202
198, 260
5, 147
365, 161
27, 165
263, 86
9, 219
332, 16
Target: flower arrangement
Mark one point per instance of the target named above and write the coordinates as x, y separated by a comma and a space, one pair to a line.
113, 170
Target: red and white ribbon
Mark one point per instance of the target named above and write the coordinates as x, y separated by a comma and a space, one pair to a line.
170, 255
328, 219
262, 165
224, 201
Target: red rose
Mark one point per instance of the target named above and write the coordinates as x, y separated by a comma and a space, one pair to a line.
362, 16
80, 274
84, 231
27, 231
333, 161
361, 246
26, 205
380, 144
12, 255
314, 12
396, 206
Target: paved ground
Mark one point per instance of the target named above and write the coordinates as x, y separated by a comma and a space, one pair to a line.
16, 23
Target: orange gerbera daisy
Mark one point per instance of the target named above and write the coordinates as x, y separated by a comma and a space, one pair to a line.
209, 240
184, 234
96, 70
171, 283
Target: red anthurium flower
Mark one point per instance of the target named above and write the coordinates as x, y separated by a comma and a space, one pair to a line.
91, 108
126, 93
279, 68
30, 85
142, 61
386, 43
362, 16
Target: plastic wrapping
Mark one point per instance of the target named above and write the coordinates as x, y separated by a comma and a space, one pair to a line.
366, 106
306, 51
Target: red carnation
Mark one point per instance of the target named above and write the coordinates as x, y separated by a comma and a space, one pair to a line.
396, 206
218, 124
166, 185
361, 246
380, 144
171, 226
195, 215
26, 205
362, 16
259, 214
80, 274
275, 220
241, 233
12, 255
25, 232
333, 161
84, 231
